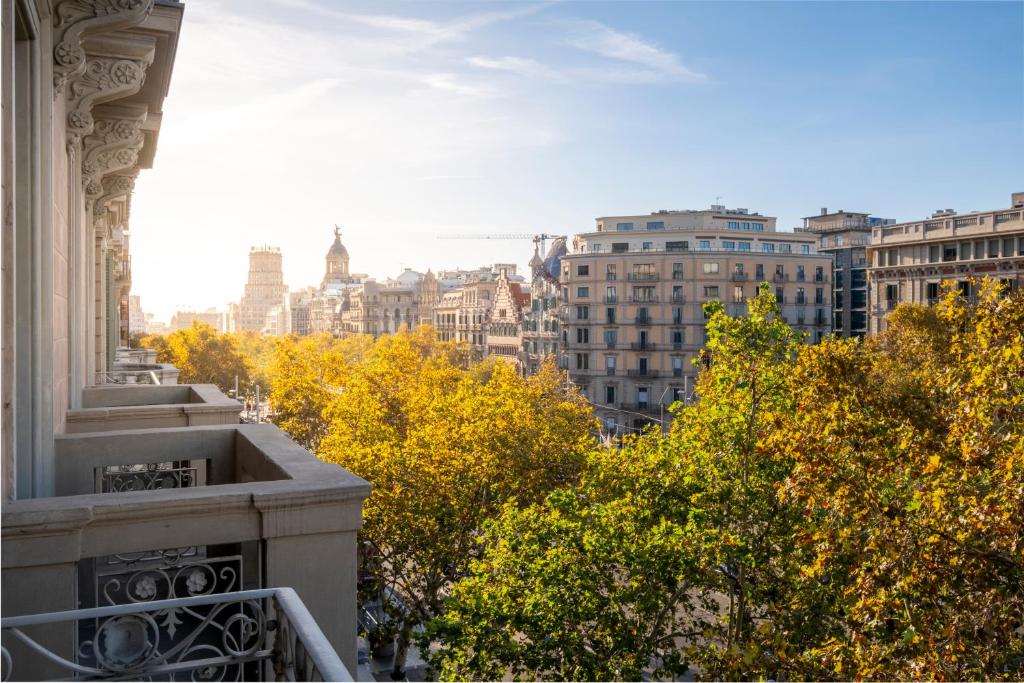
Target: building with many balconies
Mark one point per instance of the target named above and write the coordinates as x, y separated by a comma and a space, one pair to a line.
146, 533
633, 291
910, 261
845, 235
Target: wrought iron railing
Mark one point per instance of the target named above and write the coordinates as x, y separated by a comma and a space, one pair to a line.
246, 635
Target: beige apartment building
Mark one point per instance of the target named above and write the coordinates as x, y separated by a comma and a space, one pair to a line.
146, 534
632, 295
909, 262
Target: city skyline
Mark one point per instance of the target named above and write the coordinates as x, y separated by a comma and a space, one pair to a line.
400, 122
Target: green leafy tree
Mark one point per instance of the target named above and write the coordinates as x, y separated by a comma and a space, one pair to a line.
670, 552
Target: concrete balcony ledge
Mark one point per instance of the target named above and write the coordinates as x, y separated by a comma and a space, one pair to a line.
248, 468
113, 407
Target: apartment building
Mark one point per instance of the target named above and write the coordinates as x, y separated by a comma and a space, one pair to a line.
465, 303
633, 290
377, 308
910, 261
845, 236
146, 533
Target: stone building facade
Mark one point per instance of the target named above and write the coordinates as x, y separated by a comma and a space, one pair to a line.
541, 325
846, 235
632, 320
910, 261
503, 329
264, 289
211, 317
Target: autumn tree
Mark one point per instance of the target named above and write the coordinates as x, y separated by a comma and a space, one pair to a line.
910, 459
201, 355
444, 453
305, 374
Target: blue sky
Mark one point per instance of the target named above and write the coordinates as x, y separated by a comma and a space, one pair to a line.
402, 121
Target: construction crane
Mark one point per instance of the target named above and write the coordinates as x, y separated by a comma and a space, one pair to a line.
540, 239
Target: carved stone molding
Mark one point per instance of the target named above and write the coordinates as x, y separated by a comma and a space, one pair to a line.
116, 187
77, 19
104, 79
113, 146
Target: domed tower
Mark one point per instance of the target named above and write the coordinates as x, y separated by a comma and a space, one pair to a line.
337, 260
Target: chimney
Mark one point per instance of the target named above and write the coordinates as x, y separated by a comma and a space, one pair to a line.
824, 211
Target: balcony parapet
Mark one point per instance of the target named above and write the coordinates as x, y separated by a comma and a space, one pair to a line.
114, 407
237, 486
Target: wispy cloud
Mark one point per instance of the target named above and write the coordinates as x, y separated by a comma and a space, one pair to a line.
451, 83
595, 37
524, 66
421, 33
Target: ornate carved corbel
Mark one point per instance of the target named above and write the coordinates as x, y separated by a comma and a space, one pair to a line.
104, 79
114, 187
113, 146
77, 19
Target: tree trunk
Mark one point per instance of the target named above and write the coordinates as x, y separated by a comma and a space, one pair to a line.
401, 652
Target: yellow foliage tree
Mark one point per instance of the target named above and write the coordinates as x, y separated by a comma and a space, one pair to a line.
443, 450
202, 356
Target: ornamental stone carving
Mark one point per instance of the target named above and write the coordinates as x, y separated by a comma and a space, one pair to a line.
115, 187
113, 146
104, 79
77, 19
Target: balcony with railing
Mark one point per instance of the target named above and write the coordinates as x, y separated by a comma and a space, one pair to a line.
643, 346
642, 277
739, 276
642, 298
139, 516
642, 372
265, 634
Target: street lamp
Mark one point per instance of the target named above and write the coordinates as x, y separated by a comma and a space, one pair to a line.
661, 406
